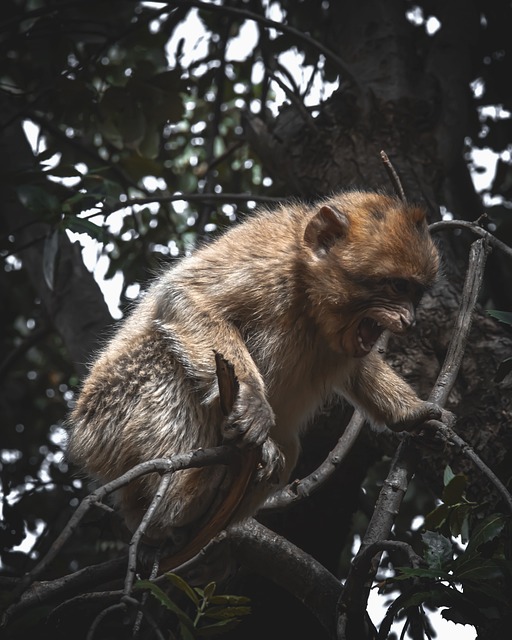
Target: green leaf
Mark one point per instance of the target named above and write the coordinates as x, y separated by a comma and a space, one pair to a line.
436, 518
186, 624
226, 613
209, 590
448, 475
229, 600
459, 520
82, 225
418, 598
37, 199
182, 585
453, 491
64, 171
487, 530
139, 167
438, 550
434, 574
456, 616
502, 316
186, 634
169, 81
476, 569
443, 596
79, 202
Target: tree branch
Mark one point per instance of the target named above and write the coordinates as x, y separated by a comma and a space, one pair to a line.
203, 457
271, 555
279, 26
186, 197
297, 491
474, 276
475, 228
353, 601
141, 530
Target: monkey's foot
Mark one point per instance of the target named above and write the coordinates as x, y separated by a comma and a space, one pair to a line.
251, 418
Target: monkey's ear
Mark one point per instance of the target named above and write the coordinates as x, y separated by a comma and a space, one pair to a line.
324, 228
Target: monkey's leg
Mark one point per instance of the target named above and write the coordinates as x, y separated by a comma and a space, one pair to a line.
195, 342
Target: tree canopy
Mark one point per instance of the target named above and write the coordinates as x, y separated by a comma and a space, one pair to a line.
133, 131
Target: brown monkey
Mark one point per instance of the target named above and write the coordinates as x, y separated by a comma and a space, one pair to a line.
295, 299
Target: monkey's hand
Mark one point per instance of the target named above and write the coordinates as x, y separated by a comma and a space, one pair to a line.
419, 414
251, 418
272, 463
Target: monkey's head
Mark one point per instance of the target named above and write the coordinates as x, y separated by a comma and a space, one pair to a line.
369, 260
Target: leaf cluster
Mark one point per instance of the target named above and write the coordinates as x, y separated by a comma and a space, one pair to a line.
472, 582
208, 613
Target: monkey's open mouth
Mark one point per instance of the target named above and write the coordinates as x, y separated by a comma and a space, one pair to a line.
368, 332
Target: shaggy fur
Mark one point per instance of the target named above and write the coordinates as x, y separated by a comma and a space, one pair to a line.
294, 298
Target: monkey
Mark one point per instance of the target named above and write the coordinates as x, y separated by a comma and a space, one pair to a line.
295, 299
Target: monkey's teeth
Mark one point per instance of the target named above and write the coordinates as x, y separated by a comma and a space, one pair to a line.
365, 347
368, 332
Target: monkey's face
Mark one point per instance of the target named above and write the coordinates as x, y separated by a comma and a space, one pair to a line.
388, 304
371, 259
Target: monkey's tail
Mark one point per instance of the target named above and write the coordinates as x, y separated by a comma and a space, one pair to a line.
243, 469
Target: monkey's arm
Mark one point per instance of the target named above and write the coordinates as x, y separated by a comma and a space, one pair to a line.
196, 333
385, 397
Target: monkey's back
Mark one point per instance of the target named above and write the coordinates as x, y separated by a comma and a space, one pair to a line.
152, 391
137, 404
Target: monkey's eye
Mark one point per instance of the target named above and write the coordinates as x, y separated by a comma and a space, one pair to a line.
399, 285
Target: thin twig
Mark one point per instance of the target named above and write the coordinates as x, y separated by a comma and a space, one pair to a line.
199, 458
141, 530
120, 606
144, 613
308, 119
278, 26
220, 158
145, 595
76, 582
176, 197
393, 176
305, 487
352, 603
186, 197
364, 565
363, 559
466, 450
474, 228
452, 362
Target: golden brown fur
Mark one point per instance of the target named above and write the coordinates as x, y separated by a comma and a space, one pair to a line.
282, 297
